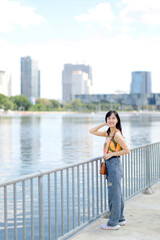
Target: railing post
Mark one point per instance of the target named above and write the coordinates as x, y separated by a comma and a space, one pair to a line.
148, 189
41, 221
148, 167
56, 215
31, 204
15, 210
24, 210
5, 213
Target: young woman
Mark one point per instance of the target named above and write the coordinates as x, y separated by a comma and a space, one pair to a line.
116, 146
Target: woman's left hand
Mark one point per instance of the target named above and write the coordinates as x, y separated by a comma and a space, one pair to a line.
107, 156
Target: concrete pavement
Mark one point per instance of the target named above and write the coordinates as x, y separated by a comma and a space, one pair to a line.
143, 221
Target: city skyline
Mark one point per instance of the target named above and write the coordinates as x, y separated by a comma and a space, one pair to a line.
114, 37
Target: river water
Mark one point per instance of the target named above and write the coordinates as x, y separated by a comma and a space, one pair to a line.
36, 142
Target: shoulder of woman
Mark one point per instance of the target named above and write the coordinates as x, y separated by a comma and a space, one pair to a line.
118, 135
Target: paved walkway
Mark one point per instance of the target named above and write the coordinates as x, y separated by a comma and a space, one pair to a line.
143, 221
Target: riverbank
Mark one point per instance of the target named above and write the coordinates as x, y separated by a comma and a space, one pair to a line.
9, 112
4, 113
143, 220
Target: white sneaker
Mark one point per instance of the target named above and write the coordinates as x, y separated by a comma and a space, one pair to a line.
122, 223
104, 226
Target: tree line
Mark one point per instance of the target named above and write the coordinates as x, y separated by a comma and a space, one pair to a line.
22, 103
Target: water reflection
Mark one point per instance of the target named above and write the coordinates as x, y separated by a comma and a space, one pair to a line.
141, 129
76, 144
30, 143
51, 141
6, 146
9, 146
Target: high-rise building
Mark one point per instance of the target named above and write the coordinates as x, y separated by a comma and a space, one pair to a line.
30, 79
81, 84
76, 79
141, 82
5, 83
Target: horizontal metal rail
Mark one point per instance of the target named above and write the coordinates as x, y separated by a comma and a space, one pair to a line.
56, 203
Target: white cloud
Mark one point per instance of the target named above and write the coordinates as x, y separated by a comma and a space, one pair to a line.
125, 29
88, 26
144, 11
12, 13
102, 14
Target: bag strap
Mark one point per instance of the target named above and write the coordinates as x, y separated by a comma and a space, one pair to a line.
111, 140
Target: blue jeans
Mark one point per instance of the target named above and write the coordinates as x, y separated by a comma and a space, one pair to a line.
115, 198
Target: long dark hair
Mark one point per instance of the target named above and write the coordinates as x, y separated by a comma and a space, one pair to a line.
118, 125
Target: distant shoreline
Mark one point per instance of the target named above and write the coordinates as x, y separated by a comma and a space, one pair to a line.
32, 112
4, 113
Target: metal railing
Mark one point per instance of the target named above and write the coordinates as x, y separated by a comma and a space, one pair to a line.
55, 204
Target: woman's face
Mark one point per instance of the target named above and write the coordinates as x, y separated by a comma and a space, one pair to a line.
112, 120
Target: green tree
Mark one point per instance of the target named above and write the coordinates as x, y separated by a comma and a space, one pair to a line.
43, 104
38, 107
55, 104
22, 102
90, 107
5, 103
77, 105
67, 106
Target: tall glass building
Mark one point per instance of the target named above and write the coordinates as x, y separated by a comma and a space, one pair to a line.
76, 79
30, 78
141, 82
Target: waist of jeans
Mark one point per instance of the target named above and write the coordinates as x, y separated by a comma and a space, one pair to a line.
114, 157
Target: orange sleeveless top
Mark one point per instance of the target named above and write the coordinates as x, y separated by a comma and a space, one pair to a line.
113, 146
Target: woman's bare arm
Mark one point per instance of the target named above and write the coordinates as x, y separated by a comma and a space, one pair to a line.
95, 131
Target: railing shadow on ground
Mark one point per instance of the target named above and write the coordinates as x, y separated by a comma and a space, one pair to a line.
55, 204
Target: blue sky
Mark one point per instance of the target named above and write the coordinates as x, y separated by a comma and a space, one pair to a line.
114, 37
